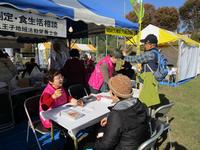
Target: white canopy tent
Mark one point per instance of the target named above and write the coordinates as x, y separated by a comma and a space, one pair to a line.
188, 58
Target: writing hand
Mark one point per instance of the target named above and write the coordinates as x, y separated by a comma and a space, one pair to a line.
80, 103
76, 102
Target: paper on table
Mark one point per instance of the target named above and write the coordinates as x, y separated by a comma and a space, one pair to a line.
106, 100
72, 114
105, 94
88, 109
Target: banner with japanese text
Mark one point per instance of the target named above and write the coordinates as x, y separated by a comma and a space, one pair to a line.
119, 32
23, 22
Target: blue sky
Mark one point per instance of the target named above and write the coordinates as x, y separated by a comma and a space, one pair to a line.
123, 7
169, 3
158, 3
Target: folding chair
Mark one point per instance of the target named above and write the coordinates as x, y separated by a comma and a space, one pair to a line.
157, 132
161, 114
77, 91
31, 106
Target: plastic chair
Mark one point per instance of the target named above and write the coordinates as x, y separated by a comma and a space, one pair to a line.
31, 106
150, 143
162, 111
77, 91
161, 114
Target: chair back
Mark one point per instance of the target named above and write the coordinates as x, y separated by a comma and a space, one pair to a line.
31, 106
162, 110
150, 143
77, 91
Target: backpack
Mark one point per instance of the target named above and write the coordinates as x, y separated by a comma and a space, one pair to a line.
162, 69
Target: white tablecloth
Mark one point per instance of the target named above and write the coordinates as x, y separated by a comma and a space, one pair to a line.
93, 113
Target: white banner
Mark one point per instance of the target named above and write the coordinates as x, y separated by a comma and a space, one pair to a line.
19, 21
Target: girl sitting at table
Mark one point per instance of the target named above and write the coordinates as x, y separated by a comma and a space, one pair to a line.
54, 95
126, 126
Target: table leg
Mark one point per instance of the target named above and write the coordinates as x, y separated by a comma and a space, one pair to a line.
75, 142
52, 133
52, 138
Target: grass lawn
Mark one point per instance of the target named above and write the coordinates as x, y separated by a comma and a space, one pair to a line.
186, 113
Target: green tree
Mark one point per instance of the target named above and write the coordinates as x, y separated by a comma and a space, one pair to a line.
164, 17
190, 16
148, 15
167, 18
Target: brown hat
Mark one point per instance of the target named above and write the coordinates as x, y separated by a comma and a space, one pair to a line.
121, 86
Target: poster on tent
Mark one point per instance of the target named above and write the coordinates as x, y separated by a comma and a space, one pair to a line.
119, 31
23, 22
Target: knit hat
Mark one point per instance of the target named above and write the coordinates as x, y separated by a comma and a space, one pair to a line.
121, 86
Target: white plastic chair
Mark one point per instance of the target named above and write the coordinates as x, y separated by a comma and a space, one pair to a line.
161, 114
150, 143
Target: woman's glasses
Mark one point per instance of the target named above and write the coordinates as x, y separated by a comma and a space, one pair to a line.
60, 77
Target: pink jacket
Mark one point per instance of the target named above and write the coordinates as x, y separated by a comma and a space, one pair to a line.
96, 79
59, 101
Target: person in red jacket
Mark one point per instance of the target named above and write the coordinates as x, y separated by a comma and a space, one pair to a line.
54, 95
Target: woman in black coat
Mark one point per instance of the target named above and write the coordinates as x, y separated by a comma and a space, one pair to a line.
126, 126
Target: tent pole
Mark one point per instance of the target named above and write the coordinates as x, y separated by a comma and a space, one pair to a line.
69, 41
173, 47
177, 71
106, 45
97, 46
81, 40
37, 53
117, 43
124, 42
177, 49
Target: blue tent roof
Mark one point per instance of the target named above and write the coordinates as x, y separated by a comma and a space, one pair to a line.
110, 8
42, 6
98, 12
84, 10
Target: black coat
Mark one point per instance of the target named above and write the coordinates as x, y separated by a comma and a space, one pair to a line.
127, 127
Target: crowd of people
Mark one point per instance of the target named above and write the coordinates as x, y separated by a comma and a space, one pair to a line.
126, 126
